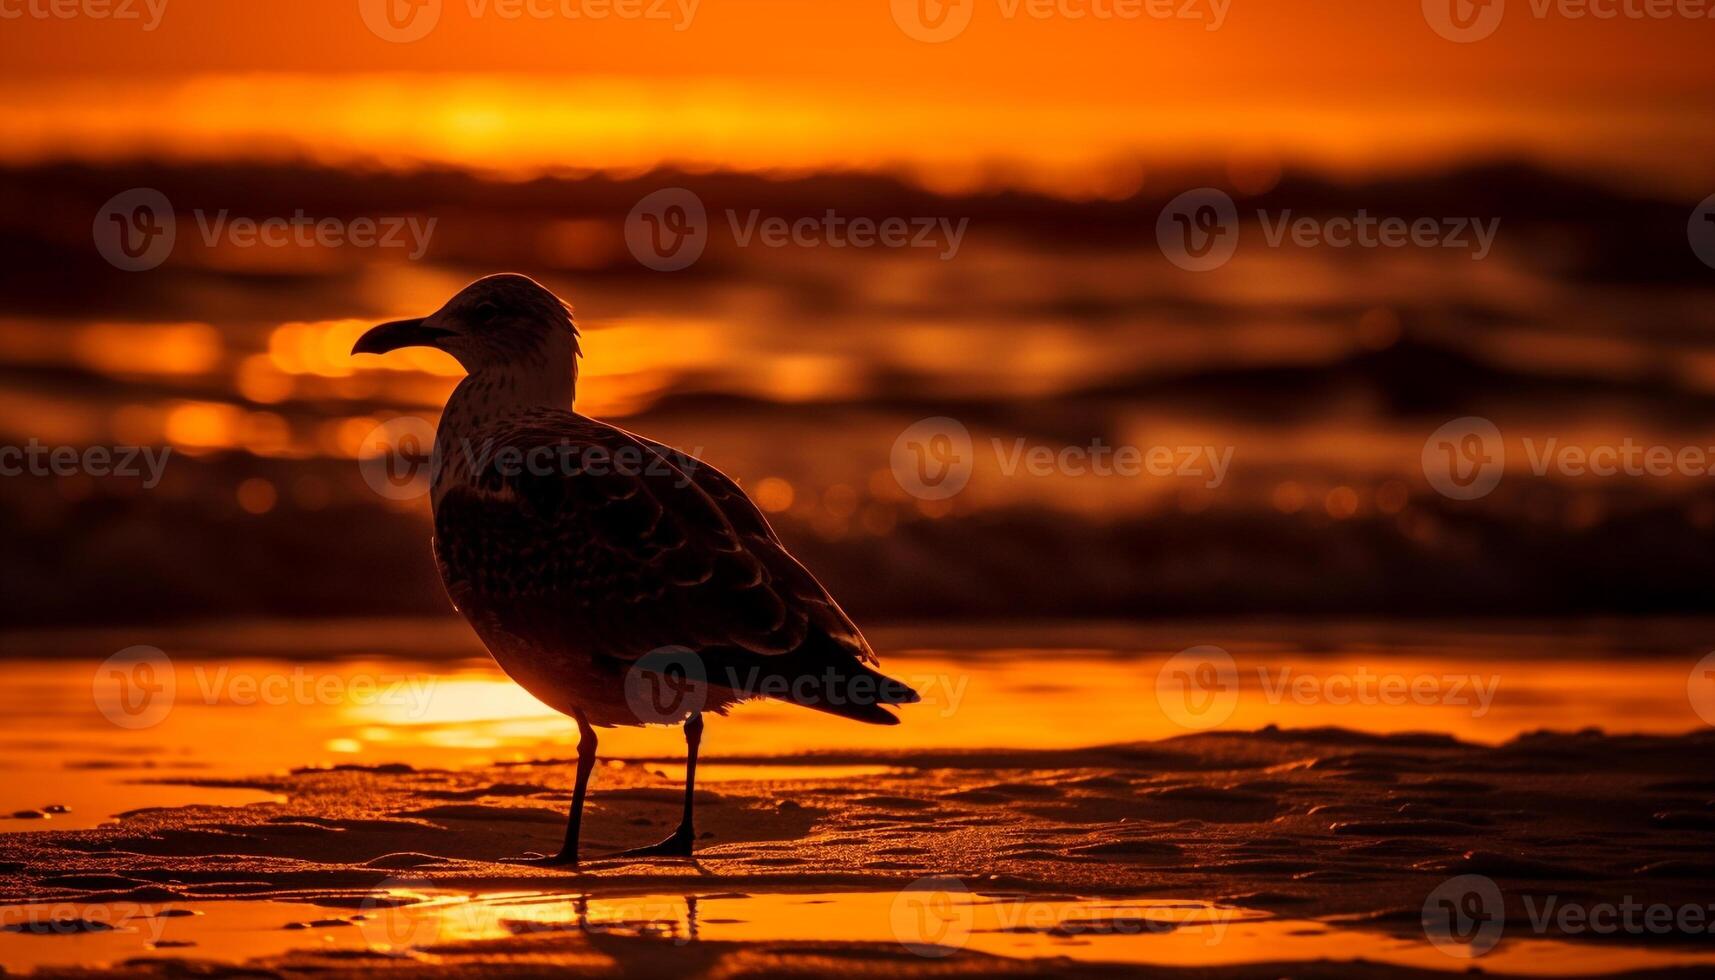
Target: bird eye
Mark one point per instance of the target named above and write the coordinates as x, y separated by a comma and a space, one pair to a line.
485, 312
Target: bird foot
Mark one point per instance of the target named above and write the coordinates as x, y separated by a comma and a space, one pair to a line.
678, 845
535, 859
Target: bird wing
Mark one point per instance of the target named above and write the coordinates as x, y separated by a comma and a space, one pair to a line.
622, 546
746, 518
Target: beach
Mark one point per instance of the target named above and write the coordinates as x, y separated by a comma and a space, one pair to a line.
1292, 846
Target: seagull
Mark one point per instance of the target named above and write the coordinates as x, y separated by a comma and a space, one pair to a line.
602, 569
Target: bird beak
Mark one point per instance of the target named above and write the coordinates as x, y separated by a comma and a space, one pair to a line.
399, 333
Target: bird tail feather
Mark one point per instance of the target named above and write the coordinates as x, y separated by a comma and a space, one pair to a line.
840, 685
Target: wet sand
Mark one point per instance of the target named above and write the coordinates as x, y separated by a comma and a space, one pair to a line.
1304, 851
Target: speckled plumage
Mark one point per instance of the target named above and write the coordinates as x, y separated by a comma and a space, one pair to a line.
610, 546
571, 579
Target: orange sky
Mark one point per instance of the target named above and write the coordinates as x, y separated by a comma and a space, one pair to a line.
755, 83
1287, 46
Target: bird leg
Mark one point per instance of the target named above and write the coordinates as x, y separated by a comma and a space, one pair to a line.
679, 844
568, 855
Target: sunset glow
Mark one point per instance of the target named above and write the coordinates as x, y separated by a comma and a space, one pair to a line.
897, 489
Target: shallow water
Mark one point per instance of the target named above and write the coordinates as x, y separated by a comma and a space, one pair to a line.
930, 922
196, 722
66, 739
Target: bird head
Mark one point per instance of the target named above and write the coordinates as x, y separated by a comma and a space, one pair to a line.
497, 321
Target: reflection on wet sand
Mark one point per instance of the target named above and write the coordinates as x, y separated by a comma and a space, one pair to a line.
1028, 790
255, 715
417, 923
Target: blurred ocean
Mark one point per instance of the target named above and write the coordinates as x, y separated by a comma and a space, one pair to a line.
1055, 323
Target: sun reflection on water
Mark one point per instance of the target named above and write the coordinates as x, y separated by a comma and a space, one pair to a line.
413, 921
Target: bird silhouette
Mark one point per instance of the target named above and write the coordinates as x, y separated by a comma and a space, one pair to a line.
618, 580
